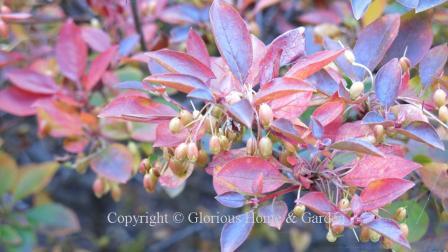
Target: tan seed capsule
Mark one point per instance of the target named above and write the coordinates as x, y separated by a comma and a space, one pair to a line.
144, 166
175, 125
405, 64
224, 142
330, 236
344, 204
215, 146
439, 97
266, 115
356, 89
177, 167
98, 187
150, 181
387, 243
374, 236
443, 114
299, 210
378, 131
251, 146
185, 117
180, 153
265, 147
400, 214
116, 193
217, 111
202, 158
337, 230
404, 229
192, 152
364, 236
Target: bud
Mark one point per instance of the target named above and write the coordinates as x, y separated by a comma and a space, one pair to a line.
202, 158
144, 166
349, 55
344, 204
443, 114
405, 64
224, 142
116, 193
180, 153
404, 229
356, 89
192, 152
330, 236
185, 117
150, 181
378, 131
374, 236
265, 114
299, 210
364, 235
251, 146
387, 243
175, 125
214, 145
177, 167
400, 214
98, 187
439, 97
265, 147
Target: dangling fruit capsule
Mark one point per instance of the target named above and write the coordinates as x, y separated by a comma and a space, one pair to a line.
265, 147
202, 158
374, 236
192, 152
116, 193
387, 243
265, 114
404, 229
344, 204
330, 236
215, 146
251, 146
439, 97
364, 236
443, 114
356, 89
337, 229
180, 153
378, 131
144, 166
400, 214
98, 187
185, 117
175, 125
177, 167
405, 64
150, 181
299, 210
224, 142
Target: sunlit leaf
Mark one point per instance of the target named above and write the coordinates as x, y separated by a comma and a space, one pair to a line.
96, 38
310, 64
280, 87
381, 192
99, 67
197, 48
359, 7
318, 203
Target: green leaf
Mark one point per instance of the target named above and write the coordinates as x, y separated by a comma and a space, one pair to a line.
129, 73
54, 219
9, 235
422, 159
8, 172
417, 219
28, 240
33, 178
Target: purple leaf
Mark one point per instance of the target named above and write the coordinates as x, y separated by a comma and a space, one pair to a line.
127, 45
409, 3
431, 66
114, 163
232, 38
203, 94
291, 45
316, 128
359, 7
423, 132
233, 234
96, 38
357, 145
181, 82
231, 199
389, 229
374, 41
274, 214
285, 128
323, 81
32, 81
387, 82
372, 117
428, 4
243, 112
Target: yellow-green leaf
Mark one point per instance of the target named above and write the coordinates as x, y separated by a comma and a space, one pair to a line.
8, 172
54, 219
33, 178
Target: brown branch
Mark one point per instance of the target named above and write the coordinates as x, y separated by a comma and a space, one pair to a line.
137, 24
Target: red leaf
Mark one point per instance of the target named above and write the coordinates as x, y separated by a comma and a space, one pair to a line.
318, 203
290, 44
310, 64
329, 112
320, 16
96, 38
224, 157
431, 66
114, 163
239, 175
353, 130
164, 137
274, 214
374, 41
197, 48
178, 62
381, 192
291, 106
232, 38
182, 82
279, 88
18, 102
370, 168
387, 82
71, 51
234, 233
286, 129
99, 67
414, 37
137, 108
32, 81
389, 229
243, 112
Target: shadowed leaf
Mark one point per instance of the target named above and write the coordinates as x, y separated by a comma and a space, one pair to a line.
243, 112
233, 234
33, 178
432, 64
387, 83
231, 199
423, 132
114, 163
357, 145
274, 214
54, 219
389, 229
